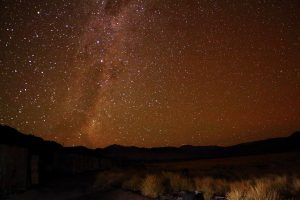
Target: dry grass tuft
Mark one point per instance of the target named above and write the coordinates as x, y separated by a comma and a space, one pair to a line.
267, 188
238, 189
178, 182
295, 186
235, 195
262, 191
210, 186
205, 185
273, 187
134, 183
153, 186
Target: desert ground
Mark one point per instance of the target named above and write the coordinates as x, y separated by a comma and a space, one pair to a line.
79, 187
282, 163
270, 177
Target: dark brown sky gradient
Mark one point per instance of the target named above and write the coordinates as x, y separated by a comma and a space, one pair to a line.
150, 72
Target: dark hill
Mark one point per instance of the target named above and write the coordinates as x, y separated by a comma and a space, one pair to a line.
273, 145
11, 136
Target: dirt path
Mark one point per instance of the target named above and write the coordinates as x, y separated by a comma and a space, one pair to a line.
78, 187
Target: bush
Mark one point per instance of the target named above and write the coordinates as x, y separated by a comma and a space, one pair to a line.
238, 190
296, 185
153, 186
235, 195
134, 183
178, 182
268, 188
205, 185
262, 191
209, 186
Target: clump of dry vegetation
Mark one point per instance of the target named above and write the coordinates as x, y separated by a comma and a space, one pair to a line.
210, 186
268, 187
262, 191
238, 189
177, 182
133, 183
259, 191
153, 186
204, 185
296, 187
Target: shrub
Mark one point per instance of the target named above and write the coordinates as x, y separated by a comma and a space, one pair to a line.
220, 186
235, 195
205, 185
153, 186
179, 182
262, 191
296, 185
238, 190
134, 183
280, 184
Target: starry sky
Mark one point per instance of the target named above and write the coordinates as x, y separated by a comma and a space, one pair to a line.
150, 72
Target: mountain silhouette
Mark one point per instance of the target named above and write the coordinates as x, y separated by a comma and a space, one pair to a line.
11, 136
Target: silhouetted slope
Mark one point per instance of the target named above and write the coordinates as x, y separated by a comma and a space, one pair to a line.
11, 136
273, 145
295, 135
27, 160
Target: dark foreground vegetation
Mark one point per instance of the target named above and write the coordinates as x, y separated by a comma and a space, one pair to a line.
27, 161
267, 177
266, 170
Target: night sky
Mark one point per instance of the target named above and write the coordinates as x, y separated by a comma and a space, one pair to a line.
150, 72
